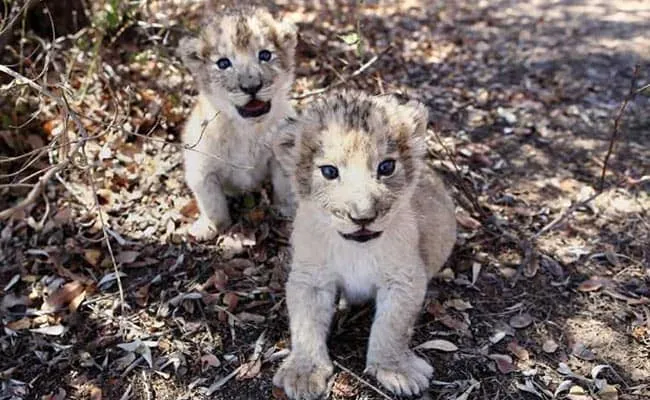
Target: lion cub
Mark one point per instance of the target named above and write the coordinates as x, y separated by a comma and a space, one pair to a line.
243, 65
372, 221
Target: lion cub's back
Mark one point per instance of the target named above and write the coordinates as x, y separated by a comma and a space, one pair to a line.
436, 220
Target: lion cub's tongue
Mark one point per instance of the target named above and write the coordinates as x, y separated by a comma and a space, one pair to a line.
254, 105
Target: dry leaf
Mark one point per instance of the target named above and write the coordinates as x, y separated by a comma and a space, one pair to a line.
550, 346
608, 392
453, 323
53, 330
23, 323
467, 221
231, 300
250, 369
497, 337
591, 285
127, 257
95, 393
476, 270
345, 385
190, 210
93, 256
71, 293
521, 321
437, 344
531, 268
519, 352
142, 295
504, 362
458, 304
210, 360
612, 258
580, 350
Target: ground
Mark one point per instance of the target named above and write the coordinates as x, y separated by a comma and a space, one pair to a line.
535, 301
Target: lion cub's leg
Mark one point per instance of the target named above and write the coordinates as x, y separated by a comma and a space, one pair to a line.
213, 206
283, 197
389, 358
305, 372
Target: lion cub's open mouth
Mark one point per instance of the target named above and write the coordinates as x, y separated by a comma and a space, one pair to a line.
254, 108
362, 235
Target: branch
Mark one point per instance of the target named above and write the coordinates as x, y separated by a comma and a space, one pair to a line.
343, 79
39, 186
617, 122
612, 141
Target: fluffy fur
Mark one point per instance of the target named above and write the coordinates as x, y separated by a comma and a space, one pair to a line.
411, 208
234, 152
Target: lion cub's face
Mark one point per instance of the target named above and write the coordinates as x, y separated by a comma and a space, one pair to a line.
356, 157
243, 60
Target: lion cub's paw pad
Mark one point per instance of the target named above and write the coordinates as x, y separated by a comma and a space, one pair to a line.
303, 379
409, 377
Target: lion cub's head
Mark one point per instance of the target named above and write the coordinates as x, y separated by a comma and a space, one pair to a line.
356, 158
243, 61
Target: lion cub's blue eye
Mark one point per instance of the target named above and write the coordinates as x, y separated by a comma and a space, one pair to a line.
223, 63
386, 168
329, 172
264, 55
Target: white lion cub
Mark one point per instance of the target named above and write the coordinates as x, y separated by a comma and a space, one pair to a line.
372, 222
243, 65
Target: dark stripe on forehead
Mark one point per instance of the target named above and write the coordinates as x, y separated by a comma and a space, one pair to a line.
243, 32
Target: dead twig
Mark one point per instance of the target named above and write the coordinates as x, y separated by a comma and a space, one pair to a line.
617, 122
42, 181
612, 141
342, 80
77, 149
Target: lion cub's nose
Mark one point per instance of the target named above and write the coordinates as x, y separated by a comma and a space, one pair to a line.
252, 89
363, 220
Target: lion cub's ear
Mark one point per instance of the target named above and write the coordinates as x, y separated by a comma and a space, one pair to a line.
285, 143
419, 115
416, 117
289, 33
189, 51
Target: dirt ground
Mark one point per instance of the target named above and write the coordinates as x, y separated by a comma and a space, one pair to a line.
523, 96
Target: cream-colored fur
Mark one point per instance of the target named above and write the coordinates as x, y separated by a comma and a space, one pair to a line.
233, 152
355, 133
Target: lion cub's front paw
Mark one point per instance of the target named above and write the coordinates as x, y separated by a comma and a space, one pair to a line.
203, 229
302, 378
409, 376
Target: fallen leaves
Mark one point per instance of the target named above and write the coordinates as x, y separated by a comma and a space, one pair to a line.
518, 351
503, 362
52, 330
437, 344
93, 256
521, 321
591, 285
345, 385
549, 346
127, 256
71, 294
580, 350
458, 304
